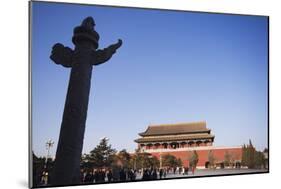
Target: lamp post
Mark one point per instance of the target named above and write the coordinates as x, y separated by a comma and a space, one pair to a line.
49, 144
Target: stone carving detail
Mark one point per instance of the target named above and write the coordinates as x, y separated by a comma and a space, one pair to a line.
105, 54
62, 55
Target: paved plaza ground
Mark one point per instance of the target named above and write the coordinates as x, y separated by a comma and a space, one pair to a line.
208, 172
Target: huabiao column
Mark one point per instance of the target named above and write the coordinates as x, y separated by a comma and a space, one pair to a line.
81, 61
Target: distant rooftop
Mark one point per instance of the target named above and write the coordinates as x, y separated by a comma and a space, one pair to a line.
178, 128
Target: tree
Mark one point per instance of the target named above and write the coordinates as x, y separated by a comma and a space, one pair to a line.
86, 163
171, 161
252, 158
211, 158
251, 155
259, 160
244, 160
143, 160
193, 159
125, 158
265, 155
153, 162
148, 160
140, 159
179, 162
133, 162
102, 155
227, 158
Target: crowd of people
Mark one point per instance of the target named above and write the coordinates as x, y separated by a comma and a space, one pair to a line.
160, 173
119, 174
122, 174
108, 175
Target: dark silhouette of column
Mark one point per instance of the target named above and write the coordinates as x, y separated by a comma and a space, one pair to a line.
81, 61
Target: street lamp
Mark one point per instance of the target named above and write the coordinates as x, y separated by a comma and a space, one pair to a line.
49, 144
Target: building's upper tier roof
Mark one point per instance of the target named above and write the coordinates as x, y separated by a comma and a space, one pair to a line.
179, 128
167, 138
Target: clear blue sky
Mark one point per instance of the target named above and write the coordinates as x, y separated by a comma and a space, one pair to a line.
173, 67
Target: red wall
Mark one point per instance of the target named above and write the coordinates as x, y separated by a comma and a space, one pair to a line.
203, 155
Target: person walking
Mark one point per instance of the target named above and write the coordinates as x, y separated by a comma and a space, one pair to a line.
102, 175
116, 173
145, 175
193, 169
154, 174
186, 170
109, 175
87, 178
122, 175
161, 173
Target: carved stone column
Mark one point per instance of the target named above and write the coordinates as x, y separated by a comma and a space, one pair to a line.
81, 61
